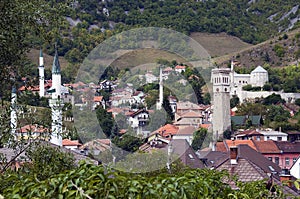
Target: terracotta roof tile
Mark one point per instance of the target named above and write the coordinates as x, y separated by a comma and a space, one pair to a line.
268, 146
67, 142
98, 98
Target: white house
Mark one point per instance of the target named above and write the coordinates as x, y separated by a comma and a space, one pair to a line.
270, 134
138, 118
295, 169
179, 69
71, 144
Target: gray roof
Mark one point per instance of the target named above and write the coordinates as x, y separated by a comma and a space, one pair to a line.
259, 69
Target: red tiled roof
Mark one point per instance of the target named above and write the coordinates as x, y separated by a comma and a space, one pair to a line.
206, 126
268, 146
179, 67
29, 88
168, 69
250, 143
34, 128
98, 98
249, 132
67, 142
168, 129
220, 146
122, 131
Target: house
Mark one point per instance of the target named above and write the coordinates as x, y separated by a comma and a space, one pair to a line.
293, 136
173, 103
249, 134
71, 144
188, 118
179, 69
95, 147
153, 143
295, 169
249, 165
32, 131
99, 100
187, 106
166, 72
106, 85
270, 134
167, 131
282, 153
186, 133
138, 118
181, 149
290, 151
138, 96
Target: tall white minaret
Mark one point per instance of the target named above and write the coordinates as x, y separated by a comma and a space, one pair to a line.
13, 109
56, 103
161, 91
41, 74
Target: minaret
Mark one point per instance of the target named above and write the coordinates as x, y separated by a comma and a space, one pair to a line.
56, 103
13, 108
161, 91
221, 119
41, 74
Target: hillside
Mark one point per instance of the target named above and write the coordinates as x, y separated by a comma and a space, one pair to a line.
279, 51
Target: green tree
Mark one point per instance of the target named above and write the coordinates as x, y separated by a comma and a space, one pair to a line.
105, 120
198, 138
273, 99
234, 101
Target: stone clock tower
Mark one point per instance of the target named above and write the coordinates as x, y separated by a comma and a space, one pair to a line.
221, 119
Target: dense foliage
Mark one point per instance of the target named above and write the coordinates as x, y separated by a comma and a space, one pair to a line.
89, 181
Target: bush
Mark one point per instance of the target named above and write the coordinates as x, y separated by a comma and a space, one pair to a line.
267, 87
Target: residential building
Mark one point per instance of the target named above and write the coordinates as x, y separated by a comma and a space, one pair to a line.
270, 134
71, 144
138, 119
180, 69
295, 169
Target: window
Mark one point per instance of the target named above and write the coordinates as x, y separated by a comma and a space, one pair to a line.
294, 160
279, 138
268, 137
287, 161
258, 137
270, 158
277, 160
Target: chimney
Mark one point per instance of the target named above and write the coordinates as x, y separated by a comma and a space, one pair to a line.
233, 154
286, 177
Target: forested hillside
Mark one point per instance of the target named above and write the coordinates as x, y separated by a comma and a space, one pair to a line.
87, 23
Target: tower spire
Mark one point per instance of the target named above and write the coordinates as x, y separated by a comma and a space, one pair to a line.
56, 64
